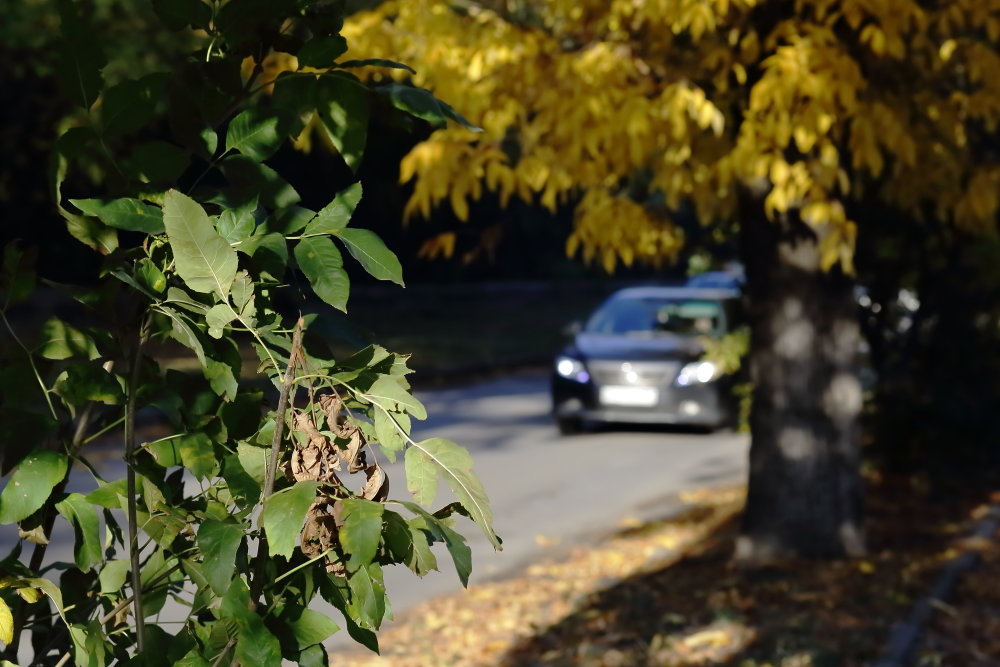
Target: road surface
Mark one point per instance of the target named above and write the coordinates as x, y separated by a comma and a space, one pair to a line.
565, 490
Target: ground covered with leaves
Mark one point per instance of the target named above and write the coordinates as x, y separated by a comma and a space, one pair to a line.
666, 593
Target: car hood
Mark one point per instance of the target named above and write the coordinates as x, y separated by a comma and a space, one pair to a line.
629, 348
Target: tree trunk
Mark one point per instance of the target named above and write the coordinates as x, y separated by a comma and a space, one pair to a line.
804, 490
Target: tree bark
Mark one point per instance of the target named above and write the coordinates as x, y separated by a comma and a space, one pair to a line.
804, 496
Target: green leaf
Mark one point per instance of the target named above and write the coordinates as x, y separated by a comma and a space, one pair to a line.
337, 214
323, 265
86, 527
284, 514
422, 559
151, 494
108, 494
361, 531
218, 542
388, 435
376, 62
422, 104
175, 295
438, 529
80, 58
337, 592
244, 490
129, 105
157, 162
129, 214
248, 178
204, 260
438, 455
366, 247
30, 485
113, 575
367, 595
17, 277
192, 657
237, 224
197, 454
218, 318
166, 453
51, 590
92, 233
149, 276
322, 51
184, 332
256, 133
156, 565
255, 645
290, 221
177, 14
61, 341
244, 22
311, 628
253, 459
269, 254
461, 554
313, 656
342, 104
388, 393
421, 476
243, 293
82, 382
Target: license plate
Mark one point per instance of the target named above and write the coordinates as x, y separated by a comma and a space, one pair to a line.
631, 396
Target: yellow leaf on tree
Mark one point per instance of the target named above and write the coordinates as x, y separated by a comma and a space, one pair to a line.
655, 98
6, 623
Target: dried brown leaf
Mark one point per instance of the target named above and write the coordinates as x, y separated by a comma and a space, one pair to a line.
320, 535
377, 486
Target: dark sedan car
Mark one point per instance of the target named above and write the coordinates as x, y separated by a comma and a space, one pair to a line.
638, 360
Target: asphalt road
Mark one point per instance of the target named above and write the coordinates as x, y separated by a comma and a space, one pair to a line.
545, 489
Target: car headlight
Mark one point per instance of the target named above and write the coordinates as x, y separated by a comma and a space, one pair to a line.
697, 372
572, 369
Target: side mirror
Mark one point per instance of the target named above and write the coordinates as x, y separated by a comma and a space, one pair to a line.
572, 329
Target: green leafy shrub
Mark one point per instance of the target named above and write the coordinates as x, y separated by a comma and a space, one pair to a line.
246, 513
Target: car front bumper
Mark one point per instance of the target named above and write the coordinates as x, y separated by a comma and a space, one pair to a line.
694, 405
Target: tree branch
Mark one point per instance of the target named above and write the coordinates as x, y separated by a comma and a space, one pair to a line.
279, 424
287, 392
133, 530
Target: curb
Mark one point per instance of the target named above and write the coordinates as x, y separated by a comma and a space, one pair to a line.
906, 636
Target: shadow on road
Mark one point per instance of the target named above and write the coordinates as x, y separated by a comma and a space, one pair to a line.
701, 610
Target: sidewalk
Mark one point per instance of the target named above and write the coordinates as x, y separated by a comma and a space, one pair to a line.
663, 593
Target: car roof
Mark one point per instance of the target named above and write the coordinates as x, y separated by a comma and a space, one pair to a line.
663, 292
729, 279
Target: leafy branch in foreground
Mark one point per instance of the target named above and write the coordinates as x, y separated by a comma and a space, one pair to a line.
248, 511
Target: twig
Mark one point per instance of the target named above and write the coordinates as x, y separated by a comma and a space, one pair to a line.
223, 652
133, 531
279, 424
287, 384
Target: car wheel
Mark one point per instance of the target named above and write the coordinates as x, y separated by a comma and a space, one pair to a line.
569, 425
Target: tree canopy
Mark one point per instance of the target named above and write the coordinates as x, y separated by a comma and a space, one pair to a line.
638, 112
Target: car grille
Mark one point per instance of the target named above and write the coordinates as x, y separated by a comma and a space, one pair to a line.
642, 373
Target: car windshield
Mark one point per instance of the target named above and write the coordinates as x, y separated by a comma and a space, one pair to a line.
647, 317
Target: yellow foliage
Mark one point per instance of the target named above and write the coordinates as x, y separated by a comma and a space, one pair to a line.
840, 100
442, 245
